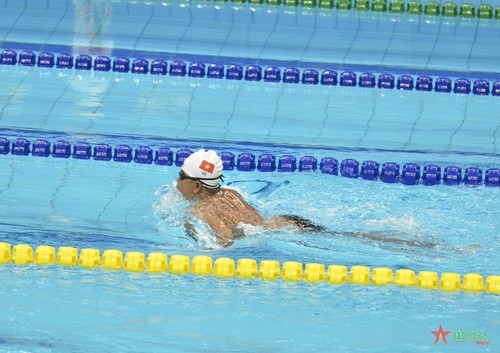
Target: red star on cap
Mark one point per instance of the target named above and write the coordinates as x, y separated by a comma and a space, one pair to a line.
440, 334
207, 166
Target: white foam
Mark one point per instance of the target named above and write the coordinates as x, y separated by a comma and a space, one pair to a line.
405, 224
207, 237
170, 206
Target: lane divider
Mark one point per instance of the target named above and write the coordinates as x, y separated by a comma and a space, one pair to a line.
430, 8
245, 268
389, 172
271, 74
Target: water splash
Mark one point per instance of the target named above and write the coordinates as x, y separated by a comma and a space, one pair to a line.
206, 235
173, 214
170, 206
405, 224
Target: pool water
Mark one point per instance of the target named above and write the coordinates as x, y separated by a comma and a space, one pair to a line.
107, 311
110, 205
135, 207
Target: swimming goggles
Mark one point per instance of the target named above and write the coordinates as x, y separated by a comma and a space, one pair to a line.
184, 176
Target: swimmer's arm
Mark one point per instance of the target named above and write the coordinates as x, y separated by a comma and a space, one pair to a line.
224, 235
191, 231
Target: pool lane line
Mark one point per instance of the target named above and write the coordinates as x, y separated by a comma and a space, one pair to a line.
244, 268
388, 172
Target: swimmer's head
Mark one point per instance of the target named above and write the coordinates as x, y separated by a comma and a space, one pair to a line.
204, 166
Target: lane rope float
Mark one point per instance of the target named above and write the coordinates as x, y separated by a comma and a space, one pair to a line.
388, 172
245, 268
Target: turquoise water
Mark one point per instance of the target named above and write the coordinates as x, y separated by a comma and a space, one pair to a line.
110, 205
103, 106
134, 207
118, 311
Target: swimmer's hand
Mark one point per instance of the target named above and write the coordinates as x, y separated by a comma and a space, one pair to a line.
225, 243
191, 231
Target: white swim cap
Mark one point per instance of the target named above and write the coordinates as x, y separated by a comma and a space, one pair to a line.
205, 166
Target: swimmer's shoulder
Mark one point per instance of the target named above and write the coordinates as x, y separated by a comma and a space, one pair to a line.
231, 195
227, 191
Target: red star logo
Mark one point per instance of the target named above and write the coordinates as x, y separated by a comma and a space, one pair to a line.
207, 166
440, 334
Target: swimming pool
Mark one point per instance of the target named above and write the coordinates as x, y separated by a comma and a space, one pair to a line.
131, 207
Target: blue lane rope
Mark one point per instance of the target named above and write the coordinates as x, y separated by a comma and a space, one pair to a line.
272, 74
388, 172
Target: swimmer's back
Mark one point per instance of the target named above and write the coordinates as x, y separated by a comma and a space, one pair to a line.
224, 211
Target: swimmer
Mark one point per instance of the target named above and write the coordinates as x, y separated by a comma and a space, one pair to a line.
225, 210
222, 209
